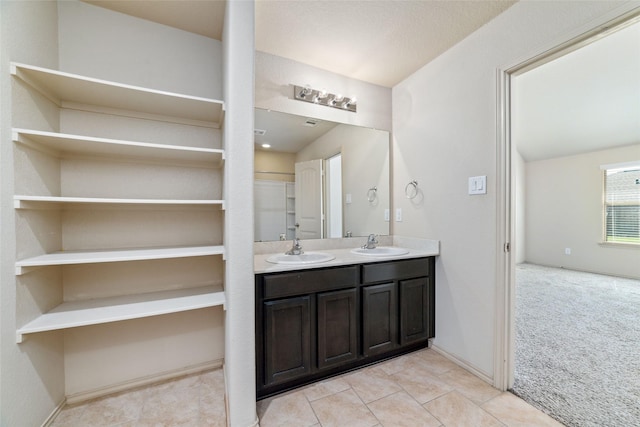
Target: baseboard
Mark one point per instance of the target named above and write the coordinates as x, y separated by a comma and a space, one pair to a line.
54, 413
143, 381
463, 364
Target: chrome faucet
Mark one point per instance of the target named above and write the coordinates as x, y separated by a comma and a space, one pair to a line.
371, 242
296, 248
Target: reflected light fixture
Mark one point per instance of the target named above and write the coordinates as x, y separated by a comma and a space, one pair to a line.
322, 97
266, 145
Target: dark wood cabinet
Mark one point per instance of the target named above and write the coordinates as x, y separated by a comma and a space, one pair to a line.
288, 339
314, 323
337, 327
414, 310
379, 318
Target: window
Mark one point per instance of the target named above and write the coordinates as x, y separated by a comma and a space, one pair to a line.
622, 203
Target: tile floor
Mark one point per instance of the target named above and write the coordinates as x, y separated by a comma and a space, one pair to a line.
418, 389
193, 401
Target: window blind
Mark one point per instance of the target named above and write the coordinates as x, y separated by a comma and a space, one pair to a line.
622, 203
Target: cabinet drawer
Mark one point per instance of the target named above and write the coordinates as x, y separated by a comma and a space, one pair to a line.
395, 270
305, 282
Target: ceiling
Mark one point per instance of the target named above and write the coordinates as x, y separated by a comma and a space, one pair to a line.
286, 132
380, 42
587, 100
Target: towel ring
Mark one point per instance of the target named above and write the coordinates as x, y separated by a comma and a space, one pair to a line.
371, 194
411, 189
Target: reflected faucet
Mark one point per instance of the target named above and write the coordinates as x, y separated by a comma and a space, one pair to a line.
371, 242
296, 248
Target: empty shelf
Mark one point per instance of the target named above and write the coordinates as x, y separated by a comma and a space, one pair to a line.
61, 143
35, 202
103, 256
114, 309
61, 87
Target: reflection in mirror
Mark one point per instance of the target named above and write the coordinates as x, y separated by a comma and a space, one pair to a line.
318, 179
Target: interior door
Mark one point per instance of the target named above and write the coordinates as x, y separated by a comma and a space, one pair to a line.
309, 199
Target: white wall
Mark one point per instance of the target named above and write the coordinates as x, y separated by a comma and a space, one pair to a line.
444, 123
564, 210
32, 373
275, 77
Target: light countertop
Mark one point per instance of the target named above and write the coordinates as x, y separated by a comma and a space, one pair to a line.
341, 249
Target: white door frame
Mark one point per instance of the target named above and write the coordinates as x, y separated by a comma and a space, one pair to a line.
504, 341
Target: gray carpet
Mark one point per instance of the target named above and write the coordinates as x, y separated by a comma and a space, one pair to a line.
578, 346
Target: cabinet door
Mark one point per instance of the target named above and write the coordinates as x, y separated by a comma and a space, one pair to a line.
414, 310
287, 339
379, 318
337, 327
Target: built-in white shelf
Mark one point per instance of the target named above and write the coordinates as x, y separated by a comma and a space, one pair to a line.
104, 310
104, 256
60, 144
63, 88
46, 202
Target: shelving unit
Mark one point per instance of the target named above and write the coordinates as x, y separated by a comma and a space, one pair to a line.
127, 307
290, 191
107, 98
92, 257
66, 88
59, 144
44, 202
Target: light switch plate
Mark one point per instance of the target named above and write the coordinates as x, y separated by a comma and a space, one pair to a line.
398, 215
386, 214
478, 184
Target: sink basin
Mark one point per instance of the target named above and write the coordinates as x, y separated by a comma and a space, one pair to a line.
381, 251
305, 258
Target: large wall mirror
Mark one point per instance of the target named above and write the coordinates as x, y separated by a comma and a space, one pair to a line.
318, 179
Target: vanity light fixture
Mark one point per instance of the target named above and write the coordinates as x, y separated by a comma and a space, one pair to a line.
322, 97
266, 145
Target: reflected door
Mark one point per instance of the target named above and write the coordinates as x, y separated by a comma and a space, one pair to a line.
309, 199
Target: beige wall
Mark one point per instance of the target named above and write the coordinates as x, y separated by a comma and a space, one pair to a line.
281, 164
32, 373
564, 210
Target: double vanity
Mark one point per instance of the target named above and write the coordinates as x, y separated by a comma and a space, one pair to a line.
339, 307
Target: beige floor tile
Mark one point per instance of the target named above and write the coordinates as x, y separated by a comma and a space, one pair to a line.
115, 409
292, 409
432, 361
469, 385
422, 385
401, 363
343, 409
455, 410
401, 410
372, 384
325, 388
69, 415
515, 412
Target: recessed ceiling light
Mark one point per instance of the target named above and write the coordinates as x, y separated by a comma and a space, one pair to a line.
266, 145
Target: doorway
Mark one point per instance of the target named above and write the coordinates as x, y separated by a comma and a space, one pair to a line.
509, 207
